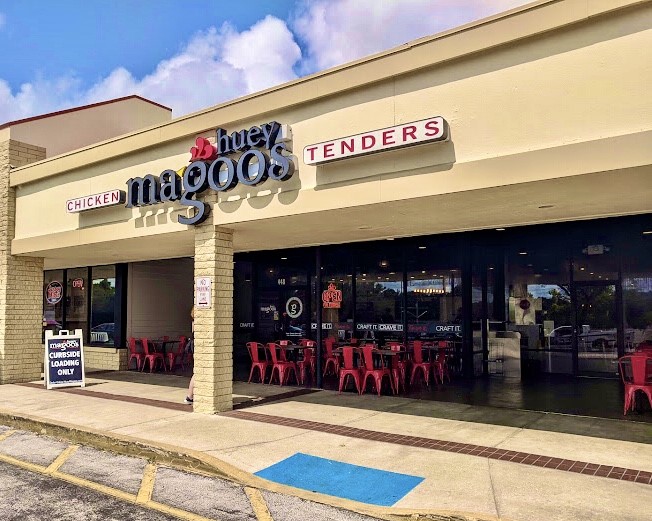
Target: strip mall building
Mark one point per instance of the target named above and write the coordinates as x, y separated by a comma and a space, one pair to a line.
491, 185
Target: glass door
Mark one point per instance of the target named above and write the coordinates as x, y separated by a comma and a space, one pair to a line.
597, 329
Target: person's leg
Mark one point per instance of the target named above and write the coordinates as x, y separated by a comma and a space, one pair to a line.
191, 390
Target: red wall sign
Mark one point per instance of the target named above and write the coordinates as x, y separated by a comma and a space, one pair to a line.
332, 297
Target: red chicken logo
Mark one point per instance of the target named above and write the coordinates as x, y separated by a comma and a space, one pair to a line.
203, 150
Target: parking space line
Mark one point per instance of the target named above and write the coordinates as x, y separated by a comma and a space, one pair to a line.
32, 467
258, 504
176, 512
6, 434
147, 484
144, 495
97, 487
61, 459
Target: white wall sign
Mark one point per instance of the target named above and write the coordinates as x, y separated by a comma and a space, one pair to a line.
404, 135
203, 296
90, 202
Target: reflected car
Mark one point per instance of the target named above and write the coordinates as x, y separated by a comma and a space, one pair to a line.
103, 333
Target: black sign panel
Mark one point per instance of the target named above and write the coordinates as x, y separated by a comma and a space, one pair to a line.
64, 362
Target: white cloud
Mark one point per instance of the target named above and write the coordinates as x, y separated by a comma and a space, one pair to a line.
221, 63
338, 31
216, 65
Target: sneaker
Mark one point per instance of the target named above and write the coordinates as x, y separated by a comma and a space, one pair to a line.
187, 400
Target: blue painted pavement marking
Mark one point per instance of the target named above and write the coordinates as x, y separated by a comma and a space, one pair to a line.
364, 484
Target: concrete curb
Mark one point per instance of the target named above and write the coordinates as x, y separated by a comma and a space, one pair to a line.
198, 462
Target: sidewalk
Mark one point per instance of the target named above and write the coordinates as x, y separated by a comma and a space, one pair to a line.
516, 467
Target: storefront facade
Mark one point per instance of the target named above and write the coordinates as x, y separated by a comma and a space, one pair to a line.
494, 179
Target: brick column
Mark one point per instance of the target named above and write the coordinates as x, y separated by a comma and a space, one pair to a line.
21, 281
214, 327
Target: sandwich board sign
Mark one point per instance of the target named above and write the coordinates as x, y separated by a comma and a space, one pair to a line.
64, 359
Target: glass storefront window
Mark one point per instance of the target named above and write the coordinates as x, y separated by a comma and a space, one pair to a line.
539, 309
103, 306
379, 306
70, 291
637, 299
53, 301
434, 304
77, 300
337, 305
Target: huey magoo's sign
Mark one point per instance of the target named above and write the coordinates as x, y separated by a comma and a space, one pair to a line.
64, 359
263, 155
399, 136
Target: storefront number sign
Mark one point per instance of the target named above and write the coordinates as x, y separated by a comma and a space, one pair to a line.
332, 297
262, 156
294, 307
53, 292
64, 359
203, 289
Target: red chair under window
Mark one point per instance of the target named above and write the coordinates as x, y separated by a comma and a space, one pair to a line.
399, 366
257, 362
419, 364
330, 359
151, 356
135, 352
440, 364
636, 372
282, 368
307, 364
177, 355
349, 369
376, 374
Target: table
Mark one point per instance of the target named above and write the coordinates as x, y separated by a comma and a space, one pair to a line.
161, 345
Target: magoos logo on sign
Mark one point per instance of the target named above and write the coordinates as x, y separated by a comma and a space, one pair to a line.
261, 158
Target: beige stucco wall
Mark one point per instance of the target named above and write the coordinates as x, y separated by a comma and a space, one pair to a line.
70, 130
561, 116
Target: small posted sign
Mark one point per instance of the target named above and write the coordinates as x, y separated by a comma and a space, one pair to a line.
203, 297
64, 359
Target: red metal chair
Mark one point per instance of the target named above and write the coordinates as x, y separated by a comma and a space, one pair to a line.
419, 364
307, 363
636, 372
440, 364
349, 369
177, 355
399, 367
330, 359
256, 361
151, 356
281, 367
376, 374
308, 343
136, 353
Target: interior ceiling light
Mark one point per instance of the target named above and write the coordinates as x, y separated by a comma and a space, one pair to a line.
500, 229
647, 232
284, 258
390, 238
423, 271
422, 247
522, 253
582, 268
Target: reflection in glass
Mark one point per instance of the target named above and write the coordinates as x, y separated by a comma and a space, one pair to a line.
103, 306
52, 301
77, 300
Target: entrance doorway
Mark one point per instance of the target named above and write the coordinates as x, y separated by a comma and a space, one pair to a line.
597, 332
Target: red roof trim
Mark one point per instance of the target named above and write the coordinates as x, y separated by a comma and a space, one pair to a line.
83, 107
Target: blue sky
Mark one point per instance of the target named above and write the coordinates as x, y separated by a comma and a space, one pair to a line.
193, 54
